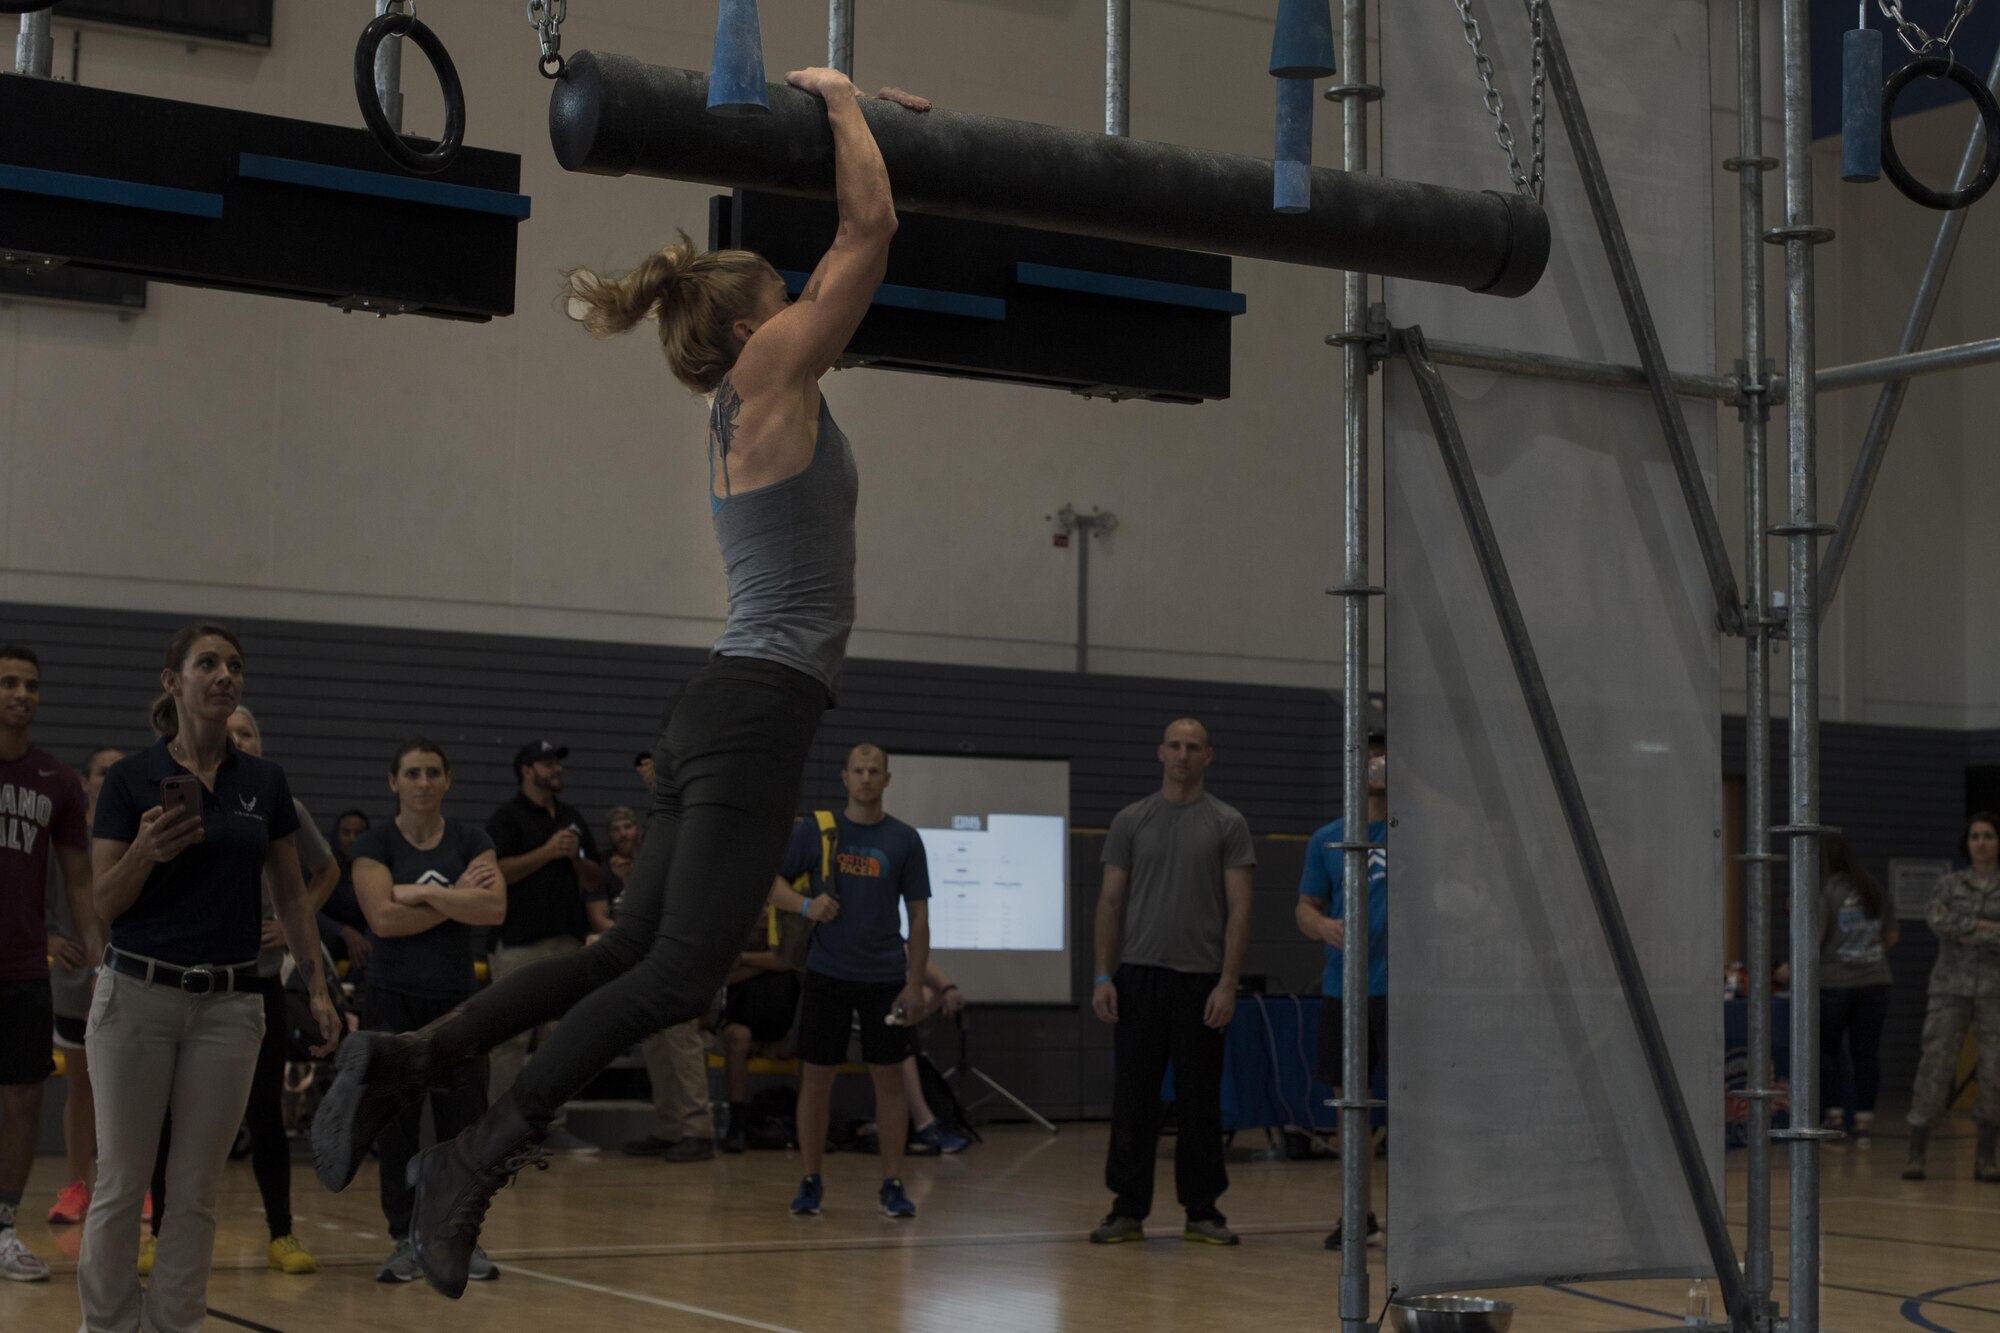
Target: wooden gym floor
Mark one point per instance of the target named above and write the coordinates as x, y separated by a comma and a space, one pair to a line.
607, 1243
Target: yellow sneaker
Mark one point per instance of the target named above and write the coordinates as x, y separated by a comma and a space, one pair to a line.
146, 1255
288, 1256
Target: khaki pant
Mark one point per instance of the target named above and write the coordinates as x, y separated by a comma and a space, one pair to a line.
505, 1061
677, 1063
1945, 1024
152, 1048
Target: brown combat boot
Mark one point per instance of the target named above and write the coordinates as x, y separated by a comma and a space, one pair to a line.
377, 1074
456, 1181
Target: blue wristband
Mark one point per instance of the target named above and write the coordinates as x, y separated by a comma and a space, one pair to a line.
1100, 981
805, 907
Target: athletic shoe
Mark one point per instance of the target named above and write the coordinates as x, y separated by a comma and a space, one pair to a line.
71, 1204
481, 1269
568, 1144
937, 1138
895, 1203
1114, 1230
690, 1150
146, 1247
288, 1256
1209, 1231
734, 1140
650, 1146
811, 1192
146, 1208
401, 1265
16, 1263
1373, 1235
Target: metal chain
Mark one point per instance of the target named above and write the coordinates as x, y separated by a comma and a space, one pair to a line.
546, 17
1920, 42
1529, 181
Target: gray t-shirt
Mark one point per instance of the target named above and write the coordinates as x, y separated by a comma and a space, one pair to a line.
1175, 906
314, 855
1850, 950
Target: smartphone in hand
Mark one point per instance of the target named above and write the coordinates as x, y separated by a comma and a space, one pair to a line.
182, 791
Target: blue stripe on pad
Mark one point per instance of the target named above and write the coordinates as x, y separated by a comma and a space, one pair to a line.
382, 185
108, 190
1131, 289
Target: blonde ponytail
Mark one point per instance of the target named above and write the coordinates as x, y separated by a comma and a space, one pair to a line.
696, 296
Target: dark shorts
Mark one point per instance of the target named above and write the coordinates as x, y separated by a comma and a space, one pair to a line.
828, 1010
1332, 1013
766, 1004
27, 1032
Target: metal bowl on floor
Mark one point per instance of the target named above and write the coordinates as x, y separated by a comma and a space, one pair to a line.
1448, 1314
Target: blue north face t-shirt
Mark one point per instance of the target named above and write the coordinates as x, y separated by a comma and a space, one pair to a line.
876, 868
1324, 879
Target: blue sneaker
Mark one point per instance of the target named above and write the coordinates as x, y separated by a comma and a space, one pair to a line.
936, 1138
895, 1203
811, 1191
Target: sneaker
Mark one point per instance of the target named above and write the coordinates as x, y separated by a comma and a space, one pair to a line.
650, 1146
71, 1204
146, 1209
1210, 1231
288, 1256
401, 1265
811, 1192
895, 1203
690, 1150
562, 1141
937, 1138
481, 1269
1864, 1129
146, 1248
16, 1263
1115, 1229
734, 1140
1374, 1233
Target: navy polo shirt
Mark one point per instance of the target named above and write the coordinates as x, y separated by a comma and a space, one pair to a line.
205, 905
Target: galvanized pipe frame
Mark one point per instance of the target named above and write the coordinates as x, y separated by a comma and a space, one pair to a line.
1889, 405
389, 71
1638, 315
35, 47
1118, 67
840, 36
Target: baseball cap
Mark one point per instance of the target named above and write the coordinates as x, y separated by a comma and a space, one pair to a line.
534, 750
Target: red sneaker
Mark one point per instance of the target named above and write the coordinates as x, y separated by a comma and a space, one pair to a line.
146, 1212
71, 1204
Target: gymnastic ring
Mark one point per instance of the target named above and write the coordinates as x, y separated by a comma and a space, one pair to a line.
395, 24
1989, 114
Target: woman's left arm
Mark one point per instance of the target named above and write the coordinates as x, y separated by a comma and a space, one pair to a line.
295, 918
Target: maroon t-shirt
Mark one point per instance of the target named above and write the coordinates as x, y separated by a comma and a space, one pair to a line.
41, 804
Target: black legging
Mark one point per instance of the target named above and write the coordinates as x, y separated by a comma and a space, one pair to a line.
1851, 1019
270, 1150
728, 765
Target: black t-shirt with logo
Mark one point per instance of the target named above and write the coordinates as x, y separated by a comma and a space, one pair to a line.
436, 963
549, 902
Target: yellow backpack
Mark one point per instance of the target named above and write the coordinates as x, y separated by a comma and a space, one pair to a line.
789, 934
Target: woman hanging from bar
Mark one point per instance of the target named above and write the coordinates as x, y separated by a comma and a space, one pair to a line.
732, 745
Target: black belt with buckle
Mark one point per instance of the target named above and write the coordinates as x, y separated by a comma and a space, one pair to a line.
201, 979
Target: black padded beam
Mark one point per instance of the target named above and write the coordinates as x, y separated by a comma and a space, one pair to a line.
612, 115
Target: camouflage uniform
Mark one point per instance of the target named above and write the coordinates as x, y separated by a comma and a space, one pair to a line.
1965, 992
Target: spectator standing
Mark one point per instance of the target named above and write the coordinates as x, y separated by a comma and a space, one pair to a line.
1964, 993
864, 865
177, 1018
759, 1008
72, 965
550, 862
41, 819
1173, 920
343, 927
424, 883
1322, 915
1856, 933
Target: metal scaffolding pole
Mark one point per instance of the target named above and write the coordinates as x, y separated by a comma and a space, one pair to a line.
1546, 365
1802, 530
35, 48
1890, 404
1118, 67
1357, 1159
1577, 819
840, 36
1899, 368
1639, 316
389, 71
1755, 374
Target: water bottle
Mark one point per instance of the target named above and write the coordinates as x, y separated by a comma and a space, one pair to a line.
1697, 1309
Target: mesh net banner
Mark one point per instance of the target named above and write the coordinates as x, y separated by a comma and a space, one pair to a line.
1526, 1142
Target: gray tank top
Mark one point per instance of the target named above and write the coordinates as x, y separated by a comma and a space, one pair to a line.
789, 552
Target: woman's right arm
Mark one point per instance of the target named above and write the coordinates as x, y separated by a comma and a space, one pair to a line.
375, 891
119, 869
1949, 918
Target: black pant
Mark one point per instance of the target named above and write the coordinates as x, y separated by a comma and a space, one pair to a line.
728, 766
454, 1106
1852, 1017
1159, 1022
1333, 1038
270, 1149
